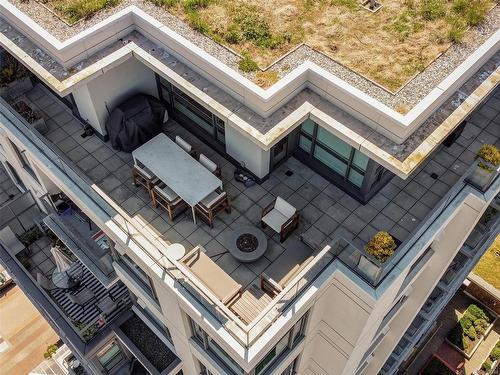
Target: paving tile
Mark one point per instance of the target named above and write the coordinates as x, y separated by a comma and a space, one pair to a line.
161, 224
318, 181
121, 194
326, 224
367, 233
404, 200
338, 212
259, 265
255, 192
424, 179
382, 222
228, 218
271, 182
243, 275
88, 163
399, 232
430, 199
281, 190
393, 211
450, 178
379, 201
390, 190
294, 181
266, 200
109, 183
342, 232
254, 214
354, 224
173, 236
214, 249
102, 153
242, 203
409, 222
415, 189
77, 154
67, 144
440, 188
297, 201
146, 214
323, 202
420, 210
366, 212
333, 192
310, 213
133, 204
98, 173
274, 250
185, 226
113, 163
228, 263
199, 237
349, 202
308, 191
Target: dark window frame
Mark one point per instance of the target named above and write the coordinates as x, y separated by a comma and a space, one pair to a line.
25, 162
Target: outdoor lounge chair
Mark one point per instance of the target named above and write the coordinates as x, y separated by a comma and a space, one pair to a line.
164, 196
281, 216
214, 203
212, 276
82, 298
210, 165
185, 146
144, 177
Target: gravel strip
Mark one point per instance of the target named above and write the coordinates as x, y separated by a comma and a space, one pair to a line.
402, 101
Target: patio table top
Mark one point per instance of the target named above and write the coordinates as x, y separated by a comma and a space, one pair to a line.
177, 169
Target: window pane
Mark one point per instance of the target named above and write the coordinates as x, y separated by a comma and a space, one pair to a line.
308, 126
330, 161
111, 357
223, 356
356, 178
334, 143
305, 144
280, 347
360, 160
202, 123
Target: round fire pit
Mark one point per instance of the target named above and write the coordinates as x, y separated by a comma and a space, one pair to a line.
247, 244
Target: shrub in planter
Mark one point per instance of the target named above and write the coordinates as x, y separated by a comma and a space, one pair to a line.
471, 333
486, 366
381, 246
477, 312
487, 166
481, 325
51, 350
495, 353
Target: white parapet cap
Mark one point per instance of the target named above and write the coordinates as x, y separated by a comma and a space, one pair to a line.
396, 141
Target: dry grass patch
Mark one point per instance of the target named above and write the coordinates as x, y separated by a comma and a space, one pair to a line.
74, 10
488, 267
389, 47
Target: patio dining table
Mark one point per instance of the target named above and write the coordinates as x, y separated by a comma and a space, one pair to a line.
177, 169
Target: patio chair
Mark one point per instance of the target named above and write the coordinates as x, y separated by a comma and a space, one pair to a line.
185, 146
165, 197
82, 298
210, 165
214, 203
45, 283
281, 217
144, 177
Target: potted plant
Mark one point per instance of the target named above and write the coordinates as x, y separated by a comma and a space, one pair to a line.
487, 167
33, 118
381, 246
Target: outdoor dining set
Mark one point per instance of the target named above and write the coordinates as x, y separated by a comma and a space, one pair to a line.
177, 178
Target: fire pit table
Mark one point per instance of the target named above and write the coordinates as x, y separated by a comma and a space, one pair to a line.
247, 243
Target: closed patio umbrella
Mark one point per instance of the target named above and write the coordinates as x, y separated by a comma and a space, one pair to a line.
63, 263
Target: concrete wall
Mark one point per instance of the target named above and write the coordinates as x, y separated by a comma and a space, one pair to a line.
96, 99
247, 153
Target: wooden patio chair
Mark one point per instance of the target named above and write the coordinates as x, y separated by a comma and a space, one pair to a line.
210, 165
214, 203
143, 176
165, 197
281, 217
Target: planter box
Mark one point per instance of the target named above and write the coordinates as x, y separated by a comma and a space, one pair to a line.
482, 178
16, 88
471, 353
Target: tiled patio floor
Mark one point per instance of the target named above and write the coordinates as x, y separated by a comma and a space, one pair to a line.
8, 190
326, 211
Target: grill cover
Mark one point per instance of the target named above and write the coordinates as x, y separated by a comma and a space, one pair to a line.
134, 122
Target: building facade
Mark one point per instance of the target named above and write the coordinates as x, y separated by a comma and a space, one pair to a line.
350, 164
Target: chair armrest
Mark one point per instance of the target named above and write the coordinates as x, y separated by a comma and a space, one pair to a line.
230, 298
265, 279
290, 221
268, 208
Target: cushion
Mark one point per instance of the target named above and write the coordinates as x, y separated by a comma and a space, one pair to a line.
145, 172
167, 193
284, 207
183, 144
212, 198
275, 220
207, 163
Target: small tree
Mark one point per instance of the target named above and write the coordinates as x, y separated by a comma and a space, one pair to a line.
490, 154
381, 246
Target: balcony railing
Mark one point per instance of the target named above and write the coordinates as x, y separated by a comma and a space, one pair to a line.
129, 230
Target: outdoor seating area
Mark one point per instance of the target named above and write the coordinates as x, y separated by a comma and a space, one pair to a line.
297, 210
86, 303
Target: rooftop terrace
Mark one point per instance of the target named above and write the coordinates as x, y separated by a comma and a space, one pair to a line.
326, 212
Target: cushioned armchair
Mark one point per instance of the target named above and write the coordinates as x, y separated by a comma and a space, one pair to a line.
214, 203
164, 196
281, 217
